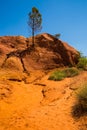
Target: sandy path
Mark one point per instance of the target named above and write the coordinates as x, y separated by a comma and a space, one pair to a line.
26, 108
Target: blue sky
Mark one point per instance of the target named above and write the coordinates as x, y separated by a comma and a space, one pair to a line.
67, 17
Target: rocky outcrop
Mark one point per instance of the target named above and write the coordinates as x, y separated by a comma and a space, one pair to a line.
48, 52
66, 55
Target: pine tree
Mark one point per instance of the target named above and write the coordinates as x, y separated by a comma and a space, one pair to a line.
35, 21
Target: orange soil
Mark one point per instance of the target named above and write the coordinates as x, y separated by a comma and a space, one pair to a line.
39, 104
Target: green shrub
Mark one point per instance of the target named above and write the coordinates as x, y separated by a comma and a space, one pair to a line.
82, 96
57, 75
80, 108
77, 110
82, 63
71, 72
60, 75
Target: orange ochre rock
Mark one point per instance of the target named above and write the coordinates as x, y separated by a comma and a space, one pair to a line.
49, 51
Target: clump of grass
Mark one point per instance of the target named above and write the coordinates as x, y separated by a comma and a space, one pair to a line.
57, 76
61, 74
82, 97
71, 72
82, 63
80, 108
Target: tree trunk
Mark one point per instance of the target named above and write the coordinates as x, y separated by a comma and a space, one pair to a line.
33, 34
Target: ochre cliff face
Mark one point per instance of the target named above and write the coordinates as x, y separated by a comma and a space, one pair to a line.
48, 53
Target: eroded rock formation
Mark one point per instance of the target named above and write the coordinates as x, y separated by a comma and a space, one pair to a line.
48, 52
